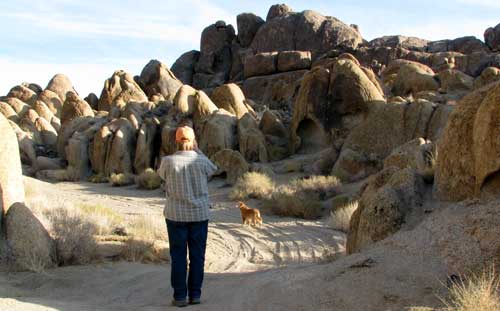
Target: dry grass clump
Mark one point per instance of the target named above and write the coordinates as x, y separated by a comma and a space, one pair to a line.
74, 236
104, 218
252, 185
477, 293
302, 197
121, 179
429, 169
147, 240
286, 201
341, 217
98, 179
148, 179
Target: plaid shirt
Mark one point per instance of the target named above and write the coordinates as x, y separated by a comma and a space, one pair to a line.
186, 176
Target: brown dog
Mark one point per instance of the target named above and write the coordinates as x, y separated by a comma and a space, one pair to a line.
250, 216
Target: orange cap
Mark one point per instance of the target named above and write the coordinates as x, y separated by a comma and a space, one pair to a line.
184, 134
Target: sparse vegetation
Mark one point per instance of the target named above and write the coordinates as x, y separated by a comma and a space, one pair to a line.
120, 180
322, 187
146, 242
477, 293
104, 218
430, 161
252, 185
98, 179
341, 217
148, 179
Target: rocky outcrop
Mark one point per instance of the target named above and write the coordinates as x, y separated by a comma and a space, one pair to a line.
276, 136
386, 200
24, 94
409, 43
156, 78
60, 84
330, 100
78, 124
230, 162
19, 106
148, 144
8, 112
52, 101
455, 81
184, 66
492, 38
120, 89
468, 163
218, 133
464, 45
411, 78
278, 10
260, 64
293, 60
92, 100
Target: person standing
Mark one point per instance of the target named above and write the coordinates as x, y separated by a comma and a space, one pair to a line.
186, 174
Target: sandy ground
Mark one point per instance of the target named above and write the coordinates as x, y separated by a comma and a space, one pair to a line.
234, 253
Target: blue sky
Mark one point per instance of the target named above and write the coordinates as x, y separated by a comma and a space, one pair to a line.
89, 39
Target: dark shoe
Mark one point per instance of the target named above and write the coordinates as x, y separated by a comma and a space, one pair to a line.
179, 303
194, 301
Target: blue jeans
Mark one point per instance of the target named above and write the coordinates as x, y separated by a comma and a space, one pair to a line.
184, 235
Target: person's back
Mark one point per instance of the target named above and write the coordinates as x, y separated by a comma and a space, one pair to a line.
186, 212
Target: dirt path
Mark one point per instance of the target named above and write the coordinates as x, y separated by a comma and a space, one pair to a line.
233, 250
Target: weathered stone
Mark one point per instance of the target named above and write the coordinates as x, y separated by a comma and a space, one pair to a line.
260, 64
183, 68
47, 132
52, 101
492, 38
8, 112
156, 78
455, 81
230, 98
30, 244
465, 45
75, 107
19, 107
148, 142
24, 94
218, 133
409, 43
248, 24
61, 85
293, 60
120, 89
67, 130
278, 10
230, 162
412, 78
43, 110
251, 140
92, 100
34, 87
489, 75
386, 200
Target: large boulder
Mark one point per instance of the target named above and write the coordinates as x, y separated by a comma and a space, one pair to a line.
218, 133
230, 98
78, 124
412, 78
251, 140
120, 89
230, 162
248, 24
43, 110
183, 68
386, 200
92, 100
8, 112
11, 178
468, 163
305, 31
26, 145
20, 107
465, 45
453, 81
61, 85
75, 107
278, 10
30, 245
23, 93
47, 132
488, 75
190, 103
156, 78
492, 38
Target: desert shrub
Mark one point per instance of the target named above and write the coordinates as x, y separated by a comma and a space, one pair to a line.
103, 217
321, 187
252, 185
148, 179
429, 169
147, 227
121, 179
341, 217
146, 236
98, 179
476, 293
74, 236
286, 201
